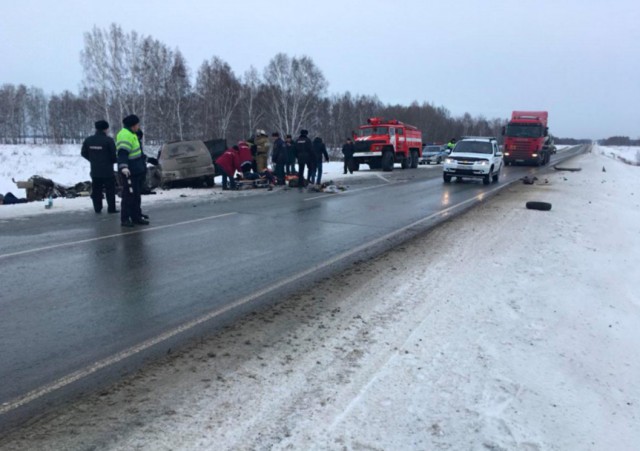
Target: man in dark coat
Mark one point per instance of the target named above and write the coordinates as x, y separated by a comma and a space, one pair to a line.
319, 151
291, 155
279, 157
304, 154
100, 151
348, 149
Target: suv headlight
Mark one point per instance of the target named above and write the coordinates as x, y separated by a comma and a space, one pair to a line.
482, 162
449, 160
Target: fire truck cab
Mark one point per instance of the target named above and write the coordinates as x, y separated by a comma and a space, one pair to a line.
382, 143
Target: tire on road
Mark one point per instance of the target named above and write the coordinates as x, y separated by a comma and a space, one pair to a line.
446, 178
414, 159
387, 161
535, 205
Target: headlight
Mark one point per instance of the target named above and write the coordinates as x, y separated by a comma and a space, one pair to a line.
449, 160
482, 162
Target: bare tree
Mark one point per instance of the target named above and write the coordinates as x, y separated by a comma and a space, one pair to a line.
219, 92
295, 86
37, 106
253, 100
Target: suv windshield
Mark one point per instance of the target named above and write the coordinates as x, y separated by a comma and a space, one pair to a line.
474, 147
368, 131
524, 130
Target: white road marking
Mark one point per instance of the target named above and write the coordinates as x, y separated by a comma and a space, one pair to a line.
96, 366
89, 240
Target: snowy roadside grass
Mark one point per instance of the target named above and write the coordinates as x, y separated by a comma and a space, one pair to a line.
626, 154
503, 329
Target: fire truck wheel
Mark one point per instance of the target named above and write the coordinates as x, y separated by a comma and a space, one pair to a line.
387, 161
542, 206
414, 159
405, 163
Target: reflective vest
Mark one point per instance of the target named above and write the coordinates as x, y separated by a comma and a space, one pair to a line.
128, 141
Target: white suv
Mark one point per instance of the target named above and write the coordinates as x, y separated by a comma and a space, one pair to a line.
474, 157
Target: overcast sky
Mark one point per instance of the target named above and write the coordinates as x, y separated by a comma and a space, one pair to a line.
578, 59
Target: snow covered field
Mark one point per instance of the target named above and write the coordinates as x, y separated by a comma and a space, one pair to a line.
503, 329
65, 166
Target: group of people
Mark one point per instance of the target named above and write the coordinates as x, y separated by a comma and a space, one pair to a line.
250, 159
103, 152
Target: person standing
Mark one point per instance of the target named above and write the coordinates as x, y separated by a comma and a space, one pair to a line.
132, 169
262, 150
227, 164
290, 169
319, 150
451, 144
348, 149
100, 151
279, 157
304, 154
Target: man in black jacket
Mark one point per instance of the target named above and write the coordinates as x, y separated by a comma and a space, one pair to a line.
348, 149
279, 157
304, 154
319, 150
100, 150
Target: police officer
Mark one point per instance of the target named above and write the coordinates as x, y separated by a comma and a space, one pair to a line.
132, 170
100, 151
451, 144
304, 154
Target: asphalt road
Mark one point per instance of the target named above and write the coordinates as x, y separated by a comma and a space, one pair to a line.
83, 301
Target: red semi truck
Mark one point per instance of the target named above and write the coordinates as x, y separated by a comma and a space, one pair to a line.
381, 143
526, 138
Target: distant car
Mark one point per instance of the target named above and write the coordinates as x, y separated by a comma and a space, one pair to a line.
433, 154
474, 157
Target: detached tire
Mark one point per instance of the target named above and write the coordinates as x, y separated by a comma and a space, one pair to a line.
542, 206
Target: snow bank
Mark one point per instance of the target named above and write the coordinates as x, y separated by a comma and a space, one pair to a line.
628, 154
504, 329
64, 165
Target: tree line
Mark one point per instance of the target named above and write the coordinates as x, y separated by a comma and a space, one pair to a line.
128, 73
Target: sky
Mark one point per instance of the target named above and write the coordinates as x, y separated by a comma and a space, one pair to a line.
577, 59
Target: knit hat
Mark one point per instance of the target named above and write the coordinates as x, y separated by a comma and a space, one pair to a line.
130, 121
102, 125
304, 132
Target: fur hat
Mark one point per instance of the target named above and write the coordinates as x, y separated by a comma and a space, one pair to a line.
101, 125
130, 121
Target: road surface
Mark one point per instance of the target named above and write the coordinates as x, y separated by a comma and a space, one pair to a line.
84, 301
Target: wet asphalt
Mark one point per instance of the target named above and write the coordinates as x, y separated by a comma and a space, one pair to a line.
83, 301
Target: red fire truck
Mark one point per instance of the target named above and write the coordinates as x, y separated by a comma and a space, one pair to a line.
526, 138
381, 143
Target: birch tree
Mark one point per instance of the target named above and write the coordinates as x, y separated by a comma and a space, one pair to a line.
294, 86
219, 92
